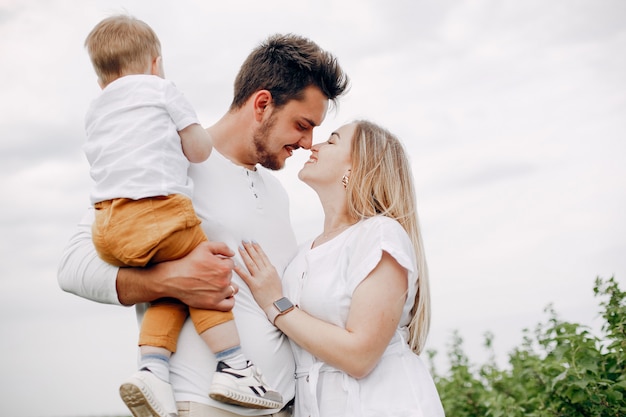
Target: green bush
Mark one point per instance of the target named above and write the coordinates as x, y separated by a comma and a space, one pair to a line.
560, 369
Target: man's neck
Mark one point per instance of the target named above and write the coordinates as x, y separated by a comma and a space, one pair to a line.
232, 138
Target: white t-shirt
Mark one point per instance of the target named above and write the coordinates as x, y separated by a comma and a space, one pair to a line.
234, 204
132, 144
322, 281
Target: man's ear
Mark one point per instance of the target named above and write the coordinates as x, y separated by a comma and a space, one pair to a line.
262, 102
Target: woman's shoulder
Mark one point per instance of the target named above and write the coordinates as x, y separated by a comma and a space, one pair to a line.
372, 237
386, 233
383, 233
381, 225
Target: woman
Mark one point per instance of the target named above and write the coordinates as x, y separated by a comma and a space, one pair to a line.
362, 314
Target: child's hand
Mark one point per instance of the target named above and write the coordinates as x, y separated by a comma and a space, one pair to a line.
261, 276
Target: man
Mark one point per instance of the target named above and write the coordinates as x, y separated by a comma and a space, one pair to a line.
281, 94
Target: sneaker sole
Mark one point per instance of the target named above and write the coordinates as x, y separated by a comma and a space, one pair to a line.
137, 401
226, 395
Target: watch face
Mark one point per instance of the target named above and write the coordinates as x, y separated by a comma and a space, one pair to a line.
283, 304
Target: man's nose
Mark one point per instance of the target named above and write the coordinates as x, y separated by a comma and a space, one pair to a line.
306, 140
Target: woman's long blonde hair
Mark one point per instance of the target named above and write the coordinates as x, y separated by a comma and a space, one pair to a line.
381, 183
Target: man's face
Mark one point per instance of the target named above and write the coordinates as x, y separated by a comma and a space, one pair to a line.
289, 128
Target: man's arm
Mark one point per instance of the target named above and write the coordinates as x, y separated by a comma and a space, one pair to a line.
201, 279
82, 272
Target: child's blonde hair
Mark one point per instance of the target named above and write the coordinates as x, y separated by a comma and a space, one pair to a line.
121, 45
381, 183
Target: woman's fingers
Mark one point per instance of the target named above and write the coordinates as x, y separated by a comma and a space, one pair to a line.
242, 272
247, 259
260, 276
259, 266
257, 254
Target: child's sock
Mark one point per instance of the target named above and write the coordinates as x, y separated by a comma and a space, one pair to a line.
232, 357
159, 365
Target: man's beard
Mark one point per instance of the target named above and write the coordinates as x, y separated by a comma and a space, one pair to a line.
260, 139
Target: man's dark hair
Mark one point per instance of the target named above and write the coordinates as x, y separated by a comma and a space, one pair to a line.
285, 65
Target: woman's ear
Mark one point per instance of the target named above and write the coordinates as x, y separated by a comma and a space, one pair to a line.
346, 178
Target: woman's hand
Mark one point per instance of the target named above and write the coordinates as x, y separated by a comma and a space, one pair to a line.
261, 276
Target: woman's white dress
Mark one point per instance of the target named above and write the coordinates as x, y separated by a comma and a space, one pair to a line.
321, 282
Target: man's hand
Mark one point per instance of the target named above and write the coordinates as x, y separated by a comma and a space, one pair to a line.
202, 279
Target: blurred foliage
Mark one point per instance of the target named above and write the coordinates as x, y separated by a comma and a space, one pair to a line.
560, 369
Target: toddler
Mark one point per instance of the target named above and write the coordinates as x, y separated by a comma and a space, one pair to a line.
142, 134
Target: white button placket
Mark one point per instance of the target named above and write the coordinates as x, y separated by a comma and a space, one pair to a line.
253, 179
303, 278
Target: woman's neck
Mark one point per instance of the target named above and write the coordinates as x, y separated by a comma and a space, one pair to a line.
335, 205
334, 225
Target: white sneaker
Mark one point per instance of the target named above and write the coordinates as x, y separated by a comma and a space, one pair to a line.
146, 395
244, 387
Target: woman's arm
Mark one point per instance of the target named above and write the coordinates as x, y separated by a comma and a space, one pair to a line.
201, 279
372, 320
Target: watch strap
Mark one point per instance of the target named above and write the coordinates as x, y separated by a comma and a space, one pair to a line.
278, 308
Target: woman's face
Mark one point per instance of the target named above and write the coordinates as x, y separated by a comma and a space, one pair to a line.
329, 160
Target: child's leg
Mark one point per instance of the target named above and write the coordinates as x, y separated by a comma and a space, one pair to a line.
228, 347
236, 380
155, 360
219, 332
160, 328
148, 392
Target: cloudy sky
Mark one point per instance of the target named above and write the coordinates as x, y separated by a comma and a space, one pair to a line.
513, 112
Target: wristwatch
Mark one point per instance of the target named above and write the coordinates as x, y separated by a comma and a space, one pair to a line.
278, 308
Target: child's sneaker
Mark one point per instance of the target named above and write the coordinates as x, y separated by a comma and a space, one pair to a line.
243, 387
146, 395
